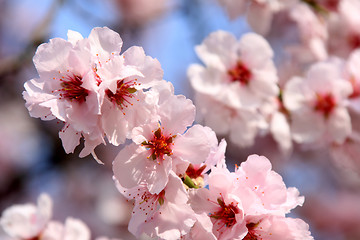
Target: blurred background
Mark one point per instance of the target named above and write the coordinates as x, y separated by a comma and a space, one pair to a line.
32, 159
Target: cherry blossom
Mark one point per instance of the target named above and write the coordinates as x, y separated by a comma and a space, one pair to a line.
67, 87
165, 215
240, 74
317, 104
267, 189
238, 79
222, 204
27, 221
247, 204
313, 34
225, 120
73, 229
163, 145
343, 28
270, 227
259, 13
125, 104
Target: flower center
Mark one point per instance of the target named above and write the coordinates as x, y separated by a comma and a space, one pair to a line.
325, 103
226, 213
194, 172
251, 233
240, 73
124, 92
159, 145
72, 89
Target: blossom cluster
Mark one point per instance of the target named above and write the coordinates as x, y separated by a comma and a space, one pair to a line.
173, 171
311, 98
29, 221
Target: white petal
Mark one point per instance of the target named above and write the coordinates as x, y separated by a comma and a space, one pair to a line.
307, 126
75, 230
255, 51
218, 50
339, 125
280, 129
194, 146
70, 138
74, 36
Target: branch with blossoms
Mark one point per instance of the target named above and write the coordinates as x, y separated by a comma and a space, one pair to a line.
173, 171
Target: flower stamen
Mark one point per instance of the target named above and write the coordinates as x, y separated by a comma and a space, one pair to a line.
240, 73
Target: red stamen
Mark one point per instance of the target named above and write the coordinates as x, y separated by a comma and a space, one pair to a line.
123, 95
251, 233
226, 213
240, 73
159, 145
325, 103
193, 172
72, 89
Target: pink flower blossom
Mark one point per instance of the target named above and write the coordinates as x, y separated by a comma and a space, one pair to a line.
317, 105
270, 227
27, 221
343, 28
265, 189
222, 204
259, 13
225, 120
162, 145
124, 103
238, 203
67, 87
313, 34
202, 228
240, 74
165, 215
238, 79
73, 229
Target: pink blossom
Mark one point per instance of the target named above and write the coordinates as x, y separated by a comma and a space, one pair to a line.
125, 104
265, 189
312, 33
317, 105
240, 74
67, 87
270, 227
202, 228
165, 215
225, 120
196, 175
343, 28
238, 203
27, 221
238, 79
163, 145
73, 229
222, 204
259, 13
